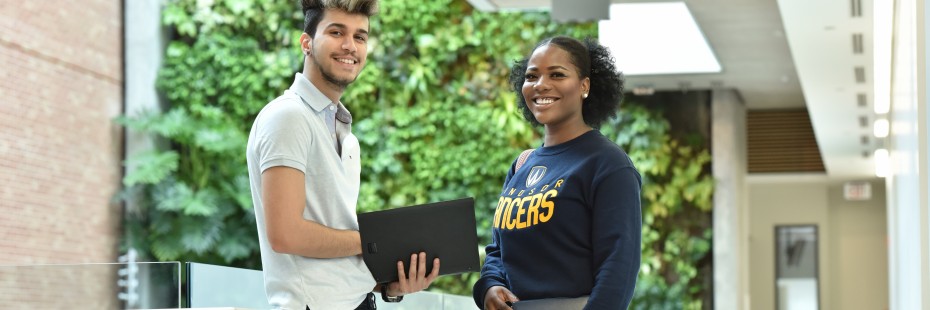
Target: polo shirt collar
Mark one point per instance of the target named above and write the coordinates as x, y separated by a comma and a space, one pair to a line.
313, 97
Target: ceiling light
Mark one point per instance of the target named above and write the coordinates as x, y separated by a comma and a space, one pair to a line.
882, 21
880, 128
656, 38
882, 163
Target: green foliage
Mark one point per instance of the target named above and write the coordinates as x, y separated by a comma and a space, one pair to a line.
433, 113
677, 201
437, 120
227, 60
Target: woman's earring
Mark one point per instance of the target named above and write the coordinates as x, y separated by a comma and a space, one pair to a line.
584, 96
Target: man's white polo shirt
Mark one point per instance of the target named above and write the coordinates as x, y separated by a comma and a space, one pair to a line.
291, 131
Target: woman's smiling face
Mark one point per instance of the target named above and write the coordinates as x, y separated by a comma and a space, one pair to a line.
553, 87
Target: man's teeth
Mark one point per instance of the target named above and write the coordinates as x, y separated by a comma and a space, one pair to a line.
348, 61
545, 100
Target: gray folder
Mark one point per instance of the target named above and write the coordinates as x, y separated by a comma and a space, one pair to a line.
552, 304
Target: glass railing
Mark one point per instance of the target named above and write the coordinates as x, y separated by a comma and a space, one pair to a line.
213, 286
429, 300
91, 286
167, 285
221, 286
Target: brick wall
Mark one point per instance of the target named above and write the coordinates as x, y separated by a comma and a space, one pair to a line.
59, 287
60, 151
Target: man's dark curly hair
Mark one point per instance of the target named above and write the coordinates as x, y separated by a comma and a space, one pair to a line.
314, 10
593, 61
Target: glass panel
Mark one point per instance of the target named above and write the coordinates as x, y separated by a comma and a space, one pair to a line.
91, 286
421, 300
429, 300
456, 302
221, 286
796, 277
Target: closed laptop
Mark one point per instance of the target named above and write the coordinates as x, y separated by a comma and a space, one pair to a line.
443, 229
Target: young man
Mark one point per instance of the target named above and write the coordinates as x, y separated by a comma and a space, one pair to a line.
304, 172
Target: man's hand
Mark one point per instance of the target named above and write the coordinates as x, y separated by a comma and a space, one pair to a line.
418, 279
499, 298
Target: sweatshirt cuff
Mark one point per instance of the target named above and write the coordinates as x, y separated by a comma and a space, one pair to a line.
481, 288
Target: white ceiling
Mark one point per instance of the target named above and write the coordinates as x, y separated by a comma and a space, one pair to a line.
780, 54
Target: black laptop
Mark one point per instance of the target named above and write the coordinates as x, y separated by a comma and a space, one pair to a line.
443, 229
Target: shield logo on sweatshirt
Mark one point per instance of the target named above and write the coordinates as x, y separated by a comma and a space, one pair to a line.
536, 174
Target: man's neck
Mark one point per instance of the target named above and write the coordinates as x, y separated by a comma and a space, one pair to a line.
330, 90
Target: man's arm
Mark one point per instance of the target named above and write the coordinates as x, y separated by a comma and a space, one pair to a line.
288, 232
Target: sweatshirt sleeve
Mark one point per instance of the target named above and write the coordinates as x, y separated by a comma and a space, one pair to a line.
492, 273
616, 236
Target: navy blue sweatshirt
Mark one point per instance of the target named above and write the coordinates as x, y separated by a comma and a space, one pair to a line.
568, 224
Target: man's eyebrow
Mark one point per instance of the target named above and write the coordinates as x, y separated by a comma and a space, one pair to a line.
337, 25
343, 27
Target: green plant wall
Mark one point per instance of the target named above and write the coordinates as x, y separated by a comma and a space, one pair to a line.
677, 200
433, 114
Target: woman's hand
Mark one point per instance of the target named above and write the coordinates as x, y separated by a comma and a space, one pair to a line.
417, 281
499, 298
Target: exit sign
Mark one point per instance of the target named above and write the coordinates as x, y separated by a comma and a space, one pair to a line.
857, 190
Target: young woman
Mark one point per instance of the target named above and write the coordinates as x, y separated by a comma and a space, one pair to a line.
568, 222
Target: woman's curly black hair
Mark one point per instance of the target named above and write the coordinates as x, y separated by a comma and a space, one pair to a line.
593, 61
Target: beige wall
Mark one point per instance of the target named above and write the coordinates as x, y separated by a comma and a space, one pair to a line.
852, 248
860, 250
782, 204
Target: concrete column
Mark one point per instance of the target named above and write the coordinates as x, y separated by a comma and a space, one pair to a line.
731, 274
144, 46
145, 41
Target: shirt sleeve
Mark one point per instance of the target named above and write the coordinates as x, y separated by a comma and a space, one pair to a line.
616, 236
282, 137
492, 273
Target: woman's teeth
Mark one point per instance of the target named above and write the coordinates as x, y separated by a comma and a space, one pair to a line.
545, 100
